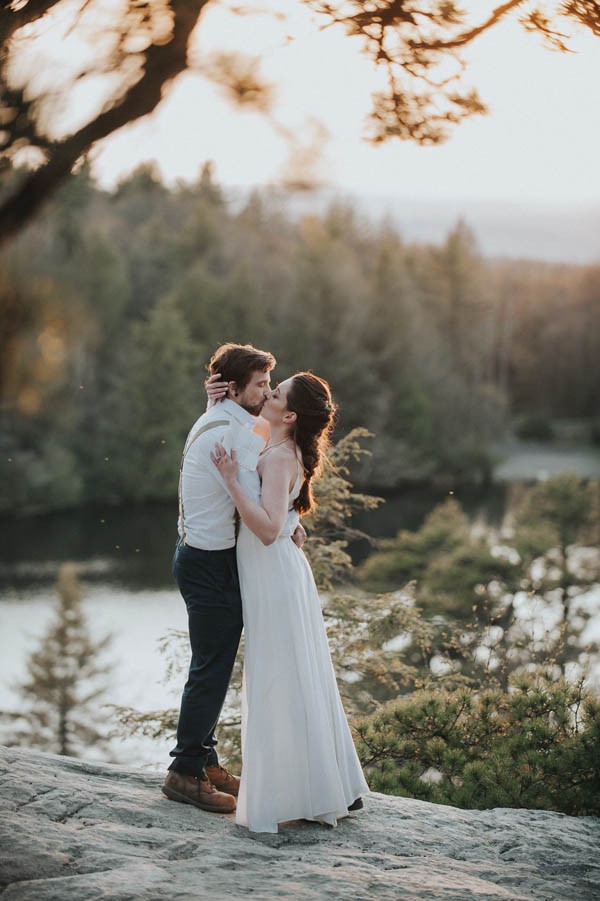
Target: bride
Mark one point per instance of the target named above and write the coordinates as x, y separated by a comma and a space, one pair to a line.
298, 757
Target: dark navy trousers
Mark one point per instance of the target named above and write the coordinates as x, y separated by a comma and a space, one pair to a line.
208, 582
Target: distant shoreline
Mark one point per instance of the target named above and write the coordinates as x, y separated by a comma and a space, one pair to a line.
558, 232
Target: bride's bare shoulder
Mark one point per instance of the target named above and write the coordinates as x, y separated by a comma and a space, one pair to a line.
282, 457
281, 454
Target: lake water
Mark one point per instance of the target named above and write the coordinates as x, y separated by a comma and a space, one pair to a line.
133, 546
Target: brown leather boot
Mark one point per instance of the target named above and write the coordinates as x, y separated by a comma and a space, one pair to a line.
197, 790
223, 780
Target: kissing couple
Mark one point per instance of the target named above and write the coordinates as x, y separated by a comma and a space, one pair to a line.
256, 451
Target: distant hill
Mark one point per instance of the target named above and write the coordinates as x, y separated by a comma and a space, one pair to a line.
569, 234
550, 232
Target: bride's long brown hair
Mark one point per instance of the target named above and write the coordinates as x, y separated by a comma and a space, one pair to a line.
310, 399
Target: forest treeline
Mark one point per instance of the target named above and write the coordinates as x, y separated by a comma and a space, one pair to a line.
111, 303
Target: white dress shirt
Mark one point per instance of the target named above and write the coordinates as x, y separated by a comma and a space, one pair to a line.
208, 509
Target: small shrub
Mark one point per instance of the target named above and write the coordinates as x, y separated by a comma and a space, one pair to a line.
534, 427
534, 746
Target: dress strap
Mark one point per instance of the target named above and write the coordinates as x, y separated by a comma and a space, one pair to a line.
298, 481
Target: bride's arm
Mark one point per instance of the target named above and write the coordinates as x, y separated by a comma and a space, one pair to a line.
215, 389
266, 519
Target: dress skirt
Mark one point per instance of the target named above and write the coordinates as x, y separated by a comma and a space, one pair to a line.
298, 756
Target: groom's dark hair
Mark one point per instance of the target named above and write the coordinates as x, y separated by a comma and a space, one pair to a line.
237, 362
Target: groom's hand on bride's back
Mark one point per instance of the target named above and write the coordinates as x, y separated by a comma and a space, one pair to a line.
299, 535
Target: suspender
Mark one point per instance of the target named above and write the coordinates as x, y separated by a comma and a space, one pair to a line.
201, 430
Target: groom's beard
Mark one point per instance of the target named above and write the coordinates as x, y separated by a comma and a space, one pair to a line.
255, 409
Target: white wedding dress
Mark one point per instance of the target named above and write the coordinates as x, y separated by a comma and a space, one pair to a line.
298, 757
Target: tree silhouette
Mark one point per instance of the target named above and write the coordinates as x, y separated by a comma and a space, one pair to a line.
138, 53
64, 683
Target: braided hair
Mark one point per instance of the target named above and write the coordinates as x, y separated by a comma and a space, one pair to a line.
309, 398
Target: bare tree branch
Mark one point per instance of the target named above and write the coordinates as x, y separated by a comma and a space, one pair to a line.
163, 62
411, 40
467, 37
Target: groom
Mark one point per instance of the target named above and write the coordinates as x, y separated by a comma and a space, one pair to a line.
205, 570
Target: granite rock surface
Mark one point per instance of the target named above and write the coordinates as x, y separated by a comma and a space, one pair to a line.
76, 831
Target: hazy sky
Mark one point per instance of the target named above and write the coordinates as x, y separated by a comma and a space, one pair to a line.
540, 142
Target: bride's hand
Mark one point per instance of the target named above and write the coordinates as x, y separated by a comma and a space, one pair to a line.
215, 389
227, 465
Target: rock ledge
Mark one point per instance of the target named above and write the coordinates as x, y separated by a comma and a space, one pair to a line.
73, 831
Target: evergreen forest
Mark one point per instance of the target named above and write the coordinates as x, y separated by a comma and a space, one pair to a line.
112, 302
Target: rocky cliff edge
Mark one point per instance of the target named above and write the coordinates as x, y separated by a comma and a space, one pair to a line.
72, 831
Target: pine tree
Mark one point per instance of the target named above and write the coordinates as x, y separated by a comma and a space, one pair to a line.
505, 602
150, 409
64, 684
556, 530
534, 746
330, 521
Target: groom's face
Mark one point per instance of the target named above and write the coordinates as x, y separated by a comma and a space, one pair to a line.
255, 393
